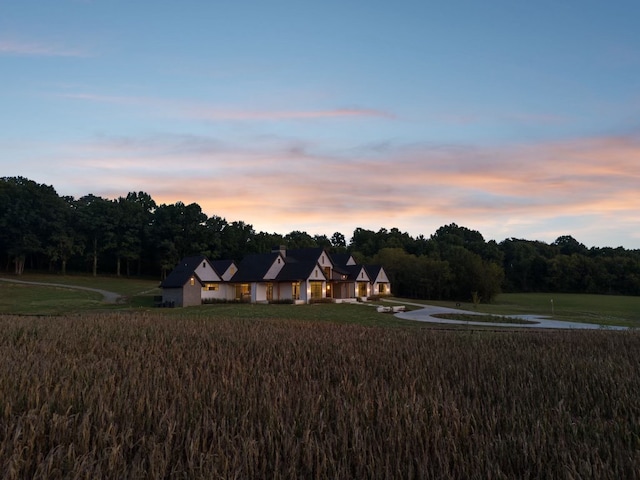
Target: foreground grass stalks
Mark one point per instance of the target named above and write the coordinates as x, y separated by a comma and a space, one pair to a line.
144, 396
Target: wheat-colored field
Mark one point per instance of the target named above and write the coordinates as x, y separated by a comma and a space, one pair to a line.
150, 396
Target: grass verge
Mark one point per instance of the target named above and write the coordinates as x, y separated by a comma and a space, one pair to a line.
470, 317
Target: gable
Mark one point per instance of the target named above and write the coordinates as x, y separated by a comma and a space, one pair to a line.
382, 276
275, 268
314, 254
258, 267
299, 271
361, 274
342, 259
377, 274
206, 272
225, 269
183, 272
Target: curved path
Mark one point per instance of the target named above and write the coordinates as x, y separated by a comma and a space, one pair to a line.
107, 297
425, 314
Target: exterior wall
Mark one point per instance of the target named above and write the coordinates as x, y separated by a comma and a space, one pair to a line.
192, 294
340, 290
231, 271
172, 296
206, 273
258, 292
187, 296
325, 264
275, 269
224, 292
377, 286
305, 291
381, 279
284, 289
317, 274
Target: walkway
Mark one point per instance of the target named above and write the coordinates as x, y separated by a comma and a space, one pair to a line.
107, 297
425, 314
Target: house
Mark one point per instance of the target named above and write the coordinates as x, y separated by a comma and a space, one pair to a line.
195, 279
380, 284
299, 276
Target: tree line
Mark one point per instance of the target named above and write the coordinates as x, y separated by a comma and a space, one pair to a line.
134, 236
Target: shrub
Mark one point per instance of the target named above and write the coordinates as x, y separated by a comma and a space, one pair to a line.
322, 300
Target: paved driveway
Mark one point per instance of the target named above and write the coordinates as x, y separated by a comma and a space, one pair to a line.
426, 313
107, 297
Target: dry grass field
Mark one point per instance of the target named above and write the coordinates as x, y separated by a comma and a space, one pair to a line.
143, 395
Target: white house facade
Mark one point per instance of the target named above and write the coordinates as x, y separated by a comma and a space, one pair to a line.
297, 276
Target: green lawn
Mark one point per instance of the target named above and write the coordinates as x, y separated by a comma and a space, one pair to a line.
23, 299
138, 294
342, 313
601, 309
124, 286
36, 300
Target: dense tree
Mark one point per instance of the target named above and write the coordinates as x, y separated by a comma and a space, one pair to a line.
569, 245
338, 242
41, 230
298, 239
32, 221
97, 225
237, 240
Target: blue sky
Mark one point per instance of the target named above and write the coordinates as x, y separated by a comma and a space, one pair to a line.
517, 119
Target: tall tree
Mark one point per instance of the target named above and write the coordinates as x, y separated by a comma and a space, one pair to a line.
31, 215
97, 220
338, 242
298, 239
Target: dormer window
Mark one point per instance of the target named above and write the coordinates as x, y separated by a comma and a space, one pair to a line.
204, 264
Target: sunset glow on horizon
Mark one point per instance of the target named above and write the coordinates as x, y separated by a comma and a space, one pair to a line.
514, 120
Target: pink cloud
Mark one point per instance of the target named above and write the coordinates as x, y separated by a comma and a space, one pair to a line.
214, 113
499, 191
21, 48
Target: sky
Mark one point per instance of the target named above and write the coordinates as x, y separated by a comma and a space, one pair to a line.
516, 119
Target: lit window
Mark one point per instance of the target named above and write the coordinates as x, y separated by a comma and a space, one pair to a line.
192, 281
316, 289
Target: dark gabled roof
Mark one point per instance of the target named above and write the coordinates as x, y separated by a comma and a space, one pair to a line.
298, 270
183, 272
373, 271
340, 259
254, 267
351, 271
305, 254
221, 266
